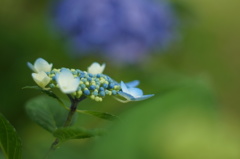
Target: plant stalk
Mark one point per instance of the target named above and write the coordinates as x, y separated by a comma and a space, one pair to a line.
73, 108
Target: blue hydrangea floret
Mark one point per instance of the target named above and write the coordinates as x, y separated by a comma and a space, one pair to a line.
131, 93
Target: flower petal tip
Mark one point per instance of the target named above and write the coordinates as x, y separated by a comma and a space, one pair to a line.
40, 65
96, 68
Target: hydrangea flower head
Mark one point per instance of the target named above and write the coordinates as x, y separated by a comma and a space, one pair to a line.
124, 29
93, 85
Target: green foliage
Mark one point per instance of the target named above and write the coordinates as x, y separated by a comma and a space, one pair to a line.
46, 112
152, 126
101, 115
64, 134
32, 87
47, 92
10, 142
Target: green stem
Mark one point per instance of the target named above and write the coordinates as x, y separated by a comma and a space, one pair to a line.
73, 108
72, 111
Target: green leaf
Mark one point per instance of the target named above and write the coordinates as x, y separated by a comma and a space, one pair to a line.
64, 134
32, 87
172, 121
101, 115
47, 92
46, 112
9, 141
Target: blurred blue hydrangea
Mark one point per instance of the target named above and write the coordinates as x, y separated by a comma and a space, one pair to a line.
125, 30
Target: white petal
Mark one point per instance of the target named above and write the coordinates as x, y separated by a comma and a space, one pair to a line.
66, 81
96, 68
64, 76
74, 85
41, 79
42, 65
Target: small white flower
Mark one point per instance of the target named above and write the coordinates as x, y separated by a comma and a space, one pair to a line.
40, 65
132, 94
96, 68
41, 78
66, 81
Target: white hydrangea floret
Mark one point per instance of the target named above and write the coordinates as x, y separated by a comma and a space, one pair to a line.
96, 68
66, 81
132, 94
40, 65
41, 78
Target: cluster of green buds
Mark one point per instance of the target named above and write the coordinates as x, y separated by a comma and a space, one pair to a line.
77, 83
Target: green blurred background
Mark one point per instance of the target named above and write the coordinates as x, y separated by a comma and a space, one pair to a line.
194, 114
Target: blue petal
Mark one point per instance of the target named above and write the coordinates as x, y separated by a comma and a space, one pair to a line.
124, 87
31, 67
126, 96
135, 92
131, 98
144, 97
134, 83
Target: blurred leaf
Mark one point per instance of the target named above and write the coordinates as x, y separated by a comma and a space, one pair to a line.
101, 115
10, 142
49, 93
183, 10
141, 133
46, 112
64, 134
